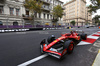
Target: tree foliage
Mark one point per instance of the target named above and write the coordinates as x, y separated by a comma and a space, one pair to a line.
96, 19
73, 23
94, 6
57, 12
33, 6
86, 23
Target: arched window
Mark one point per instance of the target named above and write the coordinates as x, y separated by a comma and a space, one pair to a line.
15, 23
1, 23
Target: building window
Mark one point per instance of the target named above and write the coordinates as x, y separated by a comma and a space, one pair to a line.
44, 16
36, 15
17, 12
1, 23
1, 9
11, 11
47, 16
15, 23
39, 15
51, 16
27, 12
47, 1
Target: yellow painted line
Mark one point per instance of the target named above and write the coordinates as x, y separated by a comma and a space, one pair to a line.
99, 51
96, 61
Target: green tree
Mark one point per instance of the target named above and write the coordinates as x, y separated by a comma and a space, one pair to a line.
86, 23
34, 7
94, 6
57, 13
73, 23
96, 19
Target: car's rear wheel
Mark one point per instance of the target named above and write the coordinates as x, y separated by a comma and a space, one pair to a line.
69, 45
84, 36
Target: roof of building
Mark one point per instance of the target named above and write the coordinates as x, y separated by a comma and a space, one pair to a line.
70, 1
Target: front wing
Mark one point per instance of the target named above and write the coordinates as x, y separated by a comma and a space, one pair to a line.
58, 53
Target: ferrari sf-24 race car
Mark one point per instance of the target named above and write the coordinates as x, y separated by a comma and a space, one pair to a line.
62, 45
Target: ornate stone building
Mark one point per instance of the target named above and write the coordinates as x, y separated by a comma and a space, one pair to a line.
12, 12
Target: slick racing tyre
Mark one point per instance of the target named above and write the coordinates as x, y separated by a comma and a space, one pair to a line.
51, 38
84, 36
41, 45
41, 48
69, 45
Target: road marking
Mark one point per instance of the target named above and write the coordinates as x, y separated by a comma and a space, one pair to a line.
33, 60
97, 60
83, 43
94, 37
20, 32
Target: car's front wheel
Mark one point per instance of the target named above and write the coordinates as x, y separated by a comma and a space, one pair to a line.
51, 38
69, 45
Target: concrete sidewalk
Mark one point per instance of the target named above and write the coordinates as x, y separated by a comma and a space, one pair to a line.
97, 60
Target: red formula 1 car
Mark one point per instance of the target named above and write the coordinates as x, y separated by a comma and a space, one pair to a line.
62, 45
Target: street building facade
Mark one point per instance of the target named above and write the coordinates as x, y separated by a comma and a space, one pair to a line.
12, 12
45, 17
76, 10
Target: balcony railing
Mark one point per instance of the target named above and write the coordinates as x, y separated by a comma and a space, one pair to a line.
9, 16
45, 8
44, 1
27, 17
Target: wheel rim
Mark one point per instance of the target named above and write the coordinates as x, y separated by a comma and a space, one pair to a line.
71, 47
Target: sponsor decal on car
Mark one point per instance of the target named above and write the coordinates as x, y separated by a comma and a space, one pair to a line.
55, 41
52, 49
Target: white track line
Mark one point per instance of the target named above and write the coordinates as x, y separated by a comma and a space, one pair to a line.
94, 37
33, 60
83, 43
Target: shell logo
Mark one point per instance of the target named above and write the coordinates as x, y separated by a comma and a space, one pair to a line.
55, 41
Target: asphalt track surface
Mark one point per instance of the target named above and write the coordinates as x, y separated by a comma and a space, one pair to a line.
19, 47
